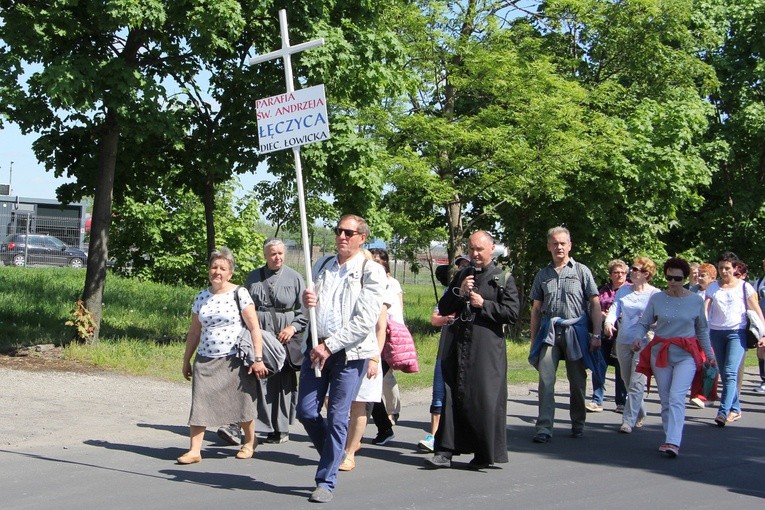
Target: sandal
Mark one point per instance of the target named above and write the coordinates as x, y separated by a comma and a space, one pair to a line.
733, 416
348, 464
189, 458
245, 452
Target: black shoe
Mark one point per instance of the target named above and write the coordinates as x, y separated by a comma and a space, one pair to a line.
476, 464
542, 438
577, 433
230, 434
383, 437
438, 461
277, 437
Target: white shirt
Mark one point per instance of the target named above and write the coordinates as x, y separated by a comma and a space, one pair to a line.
727, 309
393, 300
221, 321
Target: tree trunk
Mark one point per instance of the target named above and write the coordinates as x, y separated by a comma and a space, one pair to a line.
208, 200
98, 252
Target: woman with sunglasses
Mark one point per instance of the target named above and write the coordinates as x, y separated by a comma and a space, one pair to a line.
726, 304
673, 355
629, 304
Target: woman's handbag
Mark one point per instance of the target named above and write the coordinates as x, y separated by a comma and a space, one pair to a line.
754, 327
708, 380
274, 352
399, 351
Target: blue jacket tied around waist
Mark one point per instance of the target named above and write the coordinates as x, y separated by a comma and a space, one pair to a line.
578, 343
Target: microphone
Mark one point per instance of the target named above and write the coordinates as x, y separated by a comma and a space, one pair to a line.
471, 270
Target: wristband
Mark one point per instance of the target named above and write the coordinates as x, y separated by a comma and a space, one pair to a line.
376, 360
258, 359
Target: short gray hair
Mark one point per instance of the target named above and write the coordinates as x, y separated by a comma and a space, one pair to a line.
272, 242
222, 253
558, 230
362, 227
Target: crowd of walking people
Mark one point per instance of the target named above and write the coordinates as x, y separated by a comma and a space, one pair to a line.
251, 351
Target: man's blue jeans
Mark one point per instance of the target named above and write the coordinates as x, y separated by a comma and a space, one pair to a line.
730, 348
340, 377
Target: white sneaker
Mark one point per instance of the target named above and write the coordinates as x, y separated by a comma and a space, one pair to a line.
427, 444
759, 389
625, 429
697, 402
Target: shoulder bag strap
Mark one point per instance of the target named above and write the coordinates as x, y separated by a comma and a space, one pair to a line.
743, 289
238, 304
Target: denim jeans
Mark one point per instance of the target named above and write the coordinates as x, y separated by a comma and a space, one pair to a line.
729, 346
340, 377
437, 400
620, 391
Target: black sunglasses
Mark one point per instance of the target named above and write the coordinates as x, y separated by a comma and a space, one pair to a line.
348, 232
671, 278
639, 270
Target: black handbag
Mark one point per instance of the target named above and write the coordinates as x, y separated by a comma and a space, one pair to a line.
753, 326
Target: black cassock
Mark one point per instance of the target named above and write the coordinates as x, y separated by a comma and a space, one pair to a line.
474, 367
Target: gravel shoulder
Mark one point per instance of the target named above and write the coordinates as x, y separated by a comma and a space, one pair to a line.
47, 401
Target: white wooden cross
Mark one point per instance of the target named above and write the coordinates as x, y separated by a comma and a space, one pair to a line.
285, 53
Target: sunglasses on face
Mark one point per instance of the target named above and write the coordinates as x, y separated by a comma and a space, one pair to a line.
671, 278
348, 232
639, 270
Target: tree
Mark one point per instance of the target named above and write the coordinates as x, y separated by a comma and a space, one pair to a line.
75, 71
734, 209
588, 113
170, 81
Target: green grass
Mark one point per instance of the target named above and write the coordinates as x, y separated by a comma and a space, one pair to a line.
144, 324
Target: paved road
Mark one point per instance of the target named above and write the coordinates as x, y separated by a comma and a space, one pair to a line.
717, 468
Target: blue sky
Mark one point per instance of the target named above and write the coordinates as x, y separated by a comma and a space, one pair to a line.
29, 177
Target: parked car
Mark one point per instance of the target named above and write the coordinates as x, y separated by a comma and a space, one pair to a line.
42, 249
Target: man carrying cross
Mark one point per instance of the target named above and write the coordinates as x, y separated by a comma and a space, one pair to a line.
348, 298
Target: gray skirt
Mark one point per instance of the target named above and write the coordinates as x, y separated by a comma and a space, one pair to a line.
222, 392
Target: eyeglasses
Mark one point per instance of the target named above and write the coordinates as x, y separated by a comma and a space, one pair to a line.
671, 278
348, 232
639, 270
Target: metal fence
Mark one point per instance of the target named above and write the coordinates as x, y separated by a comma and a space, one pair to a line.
41, 240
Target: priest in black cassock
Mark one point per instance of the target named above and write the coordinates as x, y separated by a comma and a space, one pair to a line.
474, 361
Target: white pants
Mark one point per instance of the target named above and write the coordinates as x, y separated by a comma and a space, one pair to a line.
673, 382
635, 382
